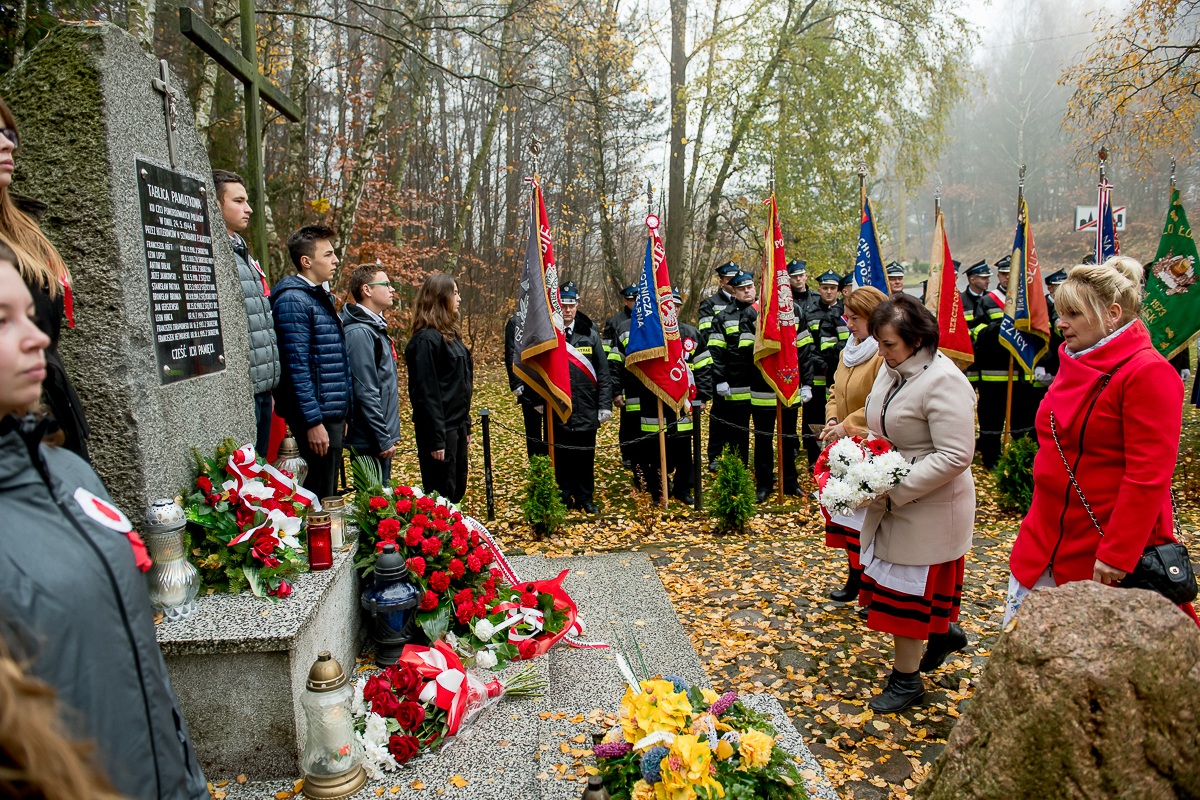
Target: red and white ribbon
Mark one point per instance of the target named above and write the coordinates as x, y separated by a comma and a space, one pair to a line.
243, 466
449, 686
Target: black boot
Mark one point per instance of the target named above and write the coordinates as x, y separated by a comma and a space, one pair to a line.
850, 590
903, 690
942, 645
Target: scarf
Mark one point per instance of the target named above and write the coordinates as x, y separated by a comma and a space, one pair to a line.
857, 352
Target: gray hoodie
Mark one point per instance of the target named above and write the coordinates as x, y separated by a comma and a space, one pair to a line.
375, 421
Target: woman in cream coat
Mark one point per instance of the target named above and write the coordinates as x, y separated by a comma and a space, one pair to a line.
858, 364
915, 537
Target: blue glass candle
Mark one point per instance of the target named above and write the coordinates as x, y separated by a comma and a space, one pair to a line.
391, 604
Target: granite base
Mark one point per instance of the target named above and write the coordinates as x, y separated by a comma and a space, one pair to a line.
239, 666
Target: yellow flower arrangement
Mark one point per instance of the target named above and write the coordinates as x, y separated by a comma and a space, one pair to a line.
710, 696
686, 768
755, 747
658, 708
642, 791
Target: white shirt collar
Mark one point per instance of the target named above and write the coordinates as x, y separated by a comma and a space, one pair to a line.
306, 280
372, 314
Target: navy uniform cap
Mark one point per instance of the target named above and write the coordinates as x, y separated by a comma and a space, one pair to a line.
1004, 264
829, 278
676, 295
728, 269
568, 293
979, 268
894, 268
796, 265
957, 264
629, 292
1055, 278
742, 279
846, 280
1090, 258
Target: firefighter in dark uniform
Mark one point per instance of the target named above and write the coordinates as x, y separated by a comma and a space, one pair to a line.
974, 299
895, 278
829, 334
991, 360
845, 287
709, 308
762, 411
1043, 372
732, 345
807, 355
616, 327
527, 399
591, 407
1024, 402
679, 435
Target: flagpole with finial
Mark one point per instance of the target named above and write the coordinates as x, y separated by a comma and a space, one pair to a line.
769, 270
535, 154
662, 423
1102, 157
1011, 359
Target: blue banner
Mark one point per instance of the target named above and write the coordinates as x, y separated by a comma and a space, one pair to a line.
868, 264
645, 329
1106, 231
1025, 329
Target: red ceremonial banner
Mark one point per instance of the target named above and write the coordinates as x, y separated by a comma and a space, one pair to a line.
775, 332
655, 351
944, 302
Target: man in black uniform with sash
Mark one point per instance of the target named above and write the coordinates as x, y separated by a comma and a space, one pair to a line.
616, 327
679, 436
829, 333
710, 307
732, 347
991, 361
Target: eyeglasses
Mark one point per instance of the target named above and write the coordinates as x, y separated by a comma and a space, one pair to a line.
11, 135
381, 283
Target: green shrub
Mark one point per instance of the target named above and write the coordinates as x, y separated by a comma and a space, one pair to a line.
1014, 474
543, 505
732, 503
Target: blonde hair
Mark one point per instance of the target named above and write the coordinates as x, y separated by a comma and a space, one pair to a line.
1091, 288
864, 300
37, 259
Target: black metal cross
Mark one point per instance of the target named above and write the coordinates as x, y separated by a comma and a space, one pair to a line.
163, 84
257, 86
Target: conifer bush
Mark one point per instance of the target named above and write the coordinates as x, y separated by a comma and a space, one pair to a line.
1014, 474
543, 506
733, 503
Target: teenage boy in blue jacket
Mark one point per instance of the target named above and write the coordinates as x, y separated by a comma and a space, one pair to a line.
313, 395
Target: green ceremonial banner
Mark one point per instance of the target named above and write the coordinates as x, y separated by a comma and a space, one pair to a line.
1172, 307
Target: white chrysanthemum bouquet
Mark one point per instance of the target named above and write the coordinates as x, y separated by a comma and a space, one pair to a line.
854, 471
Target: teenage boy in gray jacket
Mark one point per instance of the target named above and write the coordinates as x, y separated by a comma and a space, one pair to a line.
256, 290
375, 426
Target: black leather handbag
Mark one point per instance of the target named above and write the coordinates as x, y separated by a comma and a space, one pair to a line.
1164, 568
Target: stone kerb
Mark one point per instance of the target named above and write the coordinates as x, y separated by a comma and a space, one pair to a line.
239, 667
86, 108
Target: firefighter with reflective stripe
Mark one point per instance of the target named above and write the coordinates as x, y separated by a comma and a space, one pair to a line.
991, 363
829, 333
719, 300
591, 406
732, 347
845, 287
978, 308
679, 429
762, 401
1044, 371
616, 335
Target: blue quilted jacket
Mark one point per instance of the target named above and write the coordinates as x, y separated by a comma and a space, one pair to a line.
315, 386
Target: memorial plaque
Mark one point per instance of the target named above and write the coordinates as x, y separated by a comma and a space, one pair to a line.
184, 315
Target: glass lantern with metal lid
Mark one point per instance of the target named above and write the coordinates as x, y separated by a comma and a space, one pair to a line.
172, 581
332, 757
288, 459
391, 601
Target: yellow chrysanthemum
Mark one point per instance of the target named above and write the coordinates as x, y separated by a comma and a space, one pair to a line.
642, 791
658, 708
686, 768
755, 748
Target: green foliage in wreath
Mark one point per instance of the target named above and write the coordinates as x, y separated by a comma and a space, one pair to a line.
732, 504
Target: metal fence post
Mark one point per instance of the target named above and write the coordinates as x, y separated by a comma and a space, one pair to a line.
485, 418
697, 460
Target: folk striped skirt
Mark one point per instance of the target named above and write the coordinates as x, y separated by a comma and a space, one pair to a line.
916, 617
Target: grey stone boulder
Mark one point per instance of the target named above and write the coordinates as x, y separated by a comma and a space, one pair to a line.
1093, 692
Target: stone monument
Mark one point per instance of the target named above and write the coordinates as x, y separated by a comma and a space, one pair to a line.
159, 354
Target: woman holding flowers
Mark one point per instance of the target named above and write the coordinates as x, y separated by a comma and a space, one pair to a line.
915, 536
857, 367
1115, 409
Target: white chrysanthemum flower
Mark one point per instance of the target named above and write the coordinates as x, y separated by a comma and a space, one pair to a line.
842, 454
376, 732
485, 659
895, 464
840, 497
359, 703
858, 475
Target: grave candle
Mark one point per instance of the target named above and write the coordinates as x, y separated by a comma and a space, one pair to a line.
336, 506
320, 544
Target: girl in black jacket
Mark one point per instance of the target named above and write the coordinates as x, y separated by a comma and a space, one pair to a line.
440, 378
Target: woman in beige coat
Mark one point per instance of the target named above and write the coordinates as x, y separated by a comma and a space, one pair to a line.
916, 536
858, 364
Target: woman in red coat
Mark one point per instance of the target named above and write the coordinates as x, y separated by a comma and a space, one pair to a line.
1117, 406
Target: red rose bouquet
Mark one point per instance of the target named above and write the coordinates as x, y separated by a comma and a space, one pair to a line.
244, 523
449, 562
523, 622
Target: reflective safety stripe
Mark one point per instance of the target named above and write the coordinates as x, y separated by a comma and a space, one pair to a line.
651, 424
812, 326
997, 375
762, 398
716, 341
746, 340
803, 340
843, 336
625, 339
704, 322
819, 382
731, 328
706, 361
969, 317
827, 345
739, 393
685, 424
842, 329
996, 313
615, 355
